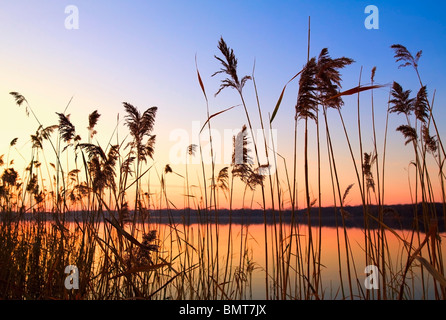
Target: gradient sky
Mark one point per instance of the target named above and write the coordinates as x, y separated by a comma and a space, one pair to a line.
144, 53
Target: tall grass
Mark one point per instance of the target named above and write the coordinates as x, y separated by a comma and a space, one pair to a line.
94, 206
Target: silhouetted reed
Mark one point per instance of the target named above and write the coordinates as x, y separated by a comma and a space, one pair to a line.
96, 208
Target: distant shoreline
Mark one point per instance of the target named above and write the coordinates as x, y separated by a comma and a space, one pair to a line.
395, 216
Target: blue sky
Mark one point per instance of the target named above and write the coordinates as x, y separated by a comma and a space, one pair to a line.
144, 53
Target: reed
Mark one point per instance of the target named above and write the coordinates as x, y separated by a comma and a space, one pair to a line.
94, 206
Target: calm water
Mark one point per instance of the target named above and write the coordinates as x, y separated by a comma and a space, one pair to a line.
233, 255
250, 239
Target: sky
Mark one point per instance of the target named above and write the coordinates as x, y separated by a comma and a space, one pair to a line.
147, 53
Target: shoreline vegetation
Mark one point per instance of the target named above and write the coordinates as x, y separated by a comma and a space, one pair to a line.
397, 217
126, 258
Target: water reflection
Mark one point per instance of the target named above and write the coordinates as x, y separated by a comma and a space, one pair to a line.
220, 260
235, 254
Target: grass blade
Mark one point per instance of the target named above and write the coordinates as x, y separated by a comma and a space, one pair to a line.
281, 97
437, 275
125, 234
357, 90
216, 114
199, 79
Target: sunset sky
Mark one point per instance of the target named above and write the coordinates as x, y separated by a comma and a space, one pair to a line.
144, 53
